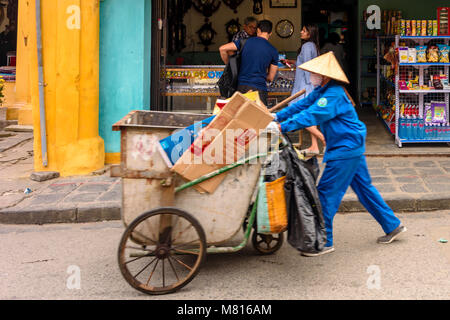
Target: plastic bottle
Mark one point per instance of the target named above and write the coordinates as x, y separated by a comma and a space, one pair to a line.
401, 126
438, 132
435, 131
426, 135
421, 130
414, 125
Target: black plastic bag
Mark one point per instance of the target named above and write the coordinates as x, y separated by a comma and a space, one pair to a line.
229, 80
306, 226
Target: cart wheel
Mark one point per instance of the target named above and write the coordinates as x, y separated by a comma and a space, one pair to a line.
171, 251
267, 243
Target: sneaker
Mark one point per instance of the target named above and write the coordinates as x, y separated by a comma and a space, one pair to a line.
316, 254
392, 236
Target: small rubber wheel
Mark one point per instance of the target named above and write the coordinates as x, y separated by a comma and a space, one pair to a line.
161, 251
267, 243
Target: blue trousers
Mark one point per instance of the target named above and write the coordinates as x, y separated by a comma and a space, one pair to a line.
337, 177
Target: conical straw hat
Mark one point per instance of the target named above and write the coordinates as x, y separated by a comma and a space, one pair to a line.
326, 65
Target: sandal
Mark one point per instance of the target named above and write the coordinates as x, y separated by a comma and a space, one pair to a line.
309, 152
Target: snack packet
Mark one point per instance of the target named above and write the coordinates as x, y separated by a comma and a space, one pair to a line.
438, 112
444, 53
424, 28
413, 28
430, 28
421, 54
403, 54
412, 55
428, 114
408, 28
433, 54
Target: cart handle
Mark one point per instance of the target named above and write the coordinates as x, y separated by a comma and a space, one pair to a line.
286, 101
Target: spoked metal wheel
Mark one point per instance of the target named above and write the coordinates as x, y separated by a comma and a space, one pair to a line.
162, 251
267, 243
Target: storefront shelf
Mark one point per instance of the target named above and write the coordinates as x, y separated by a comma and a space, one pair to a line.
424, 37
428, 64
213, 94
423, 91
427, 141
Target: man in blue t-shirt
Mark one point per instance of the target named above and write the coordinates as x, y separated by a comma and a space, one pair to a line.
259, 60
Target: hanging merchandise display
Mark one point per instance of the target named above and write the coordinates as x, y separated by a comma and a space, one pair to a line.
206, 7
233, 4
284, 29
177, 29
257, 7
413, 78
206, 34
443, 23
422, 90
232, 27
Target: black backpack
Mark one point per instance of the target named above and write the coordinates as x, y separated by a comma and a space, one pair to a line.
229, 79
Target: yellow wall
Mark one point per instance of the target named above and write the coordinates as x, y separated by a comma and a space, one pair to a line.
70, 31
22, 104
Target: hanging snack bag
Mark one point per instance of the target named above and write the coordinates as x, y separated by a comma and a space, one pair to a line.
438, 112
418, 27
430, 28
428, 115
433, 54
413, 28
424, 28
403, 54
412, 55
421, 54
403, 28
444, 53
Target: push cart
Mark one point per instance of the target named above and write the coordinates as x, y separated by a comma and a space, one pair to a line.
170, 227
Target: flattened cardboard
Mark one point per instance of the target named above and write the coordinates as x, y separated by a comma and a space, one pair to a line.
241, 114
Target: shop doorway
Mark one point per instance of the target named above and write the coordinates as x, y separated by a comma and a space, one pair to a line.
340, 17
8, 33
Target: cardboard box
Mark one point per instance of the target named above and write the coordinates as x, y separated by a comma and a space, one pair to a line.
225, 140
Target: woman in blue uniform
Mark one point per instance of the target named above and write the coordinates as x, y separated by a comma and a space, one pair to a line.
330, 107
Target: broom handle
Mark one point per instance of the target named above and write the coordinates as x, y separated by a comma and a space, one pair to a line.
285, 102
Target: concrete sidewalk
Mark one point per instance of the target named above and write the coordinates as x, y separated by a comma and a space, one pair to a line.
408, 184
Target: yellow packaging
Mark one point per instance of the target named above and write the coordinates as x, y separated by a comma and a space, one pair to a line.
430, 28
413, 28
408, 28
435, 28
276, 202
424, 28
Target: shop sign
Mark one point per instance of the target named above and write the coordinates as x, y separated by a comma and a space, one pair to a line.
373, 17
192, 74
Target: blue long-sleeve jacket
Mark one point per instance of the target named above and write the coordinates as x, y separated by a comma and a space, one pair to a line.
330, 108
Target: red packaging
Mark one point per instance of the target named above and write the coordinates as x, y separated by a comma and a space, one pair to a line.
443, 14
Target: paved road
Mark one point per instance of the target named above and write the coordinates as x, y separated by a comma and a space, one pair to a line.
35, 261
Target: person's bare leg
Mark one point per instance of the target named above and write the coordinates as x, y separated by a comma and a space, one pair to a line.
315, 134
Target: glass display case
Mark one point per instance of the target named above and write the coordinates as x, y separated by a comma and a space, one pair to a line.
201, 81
